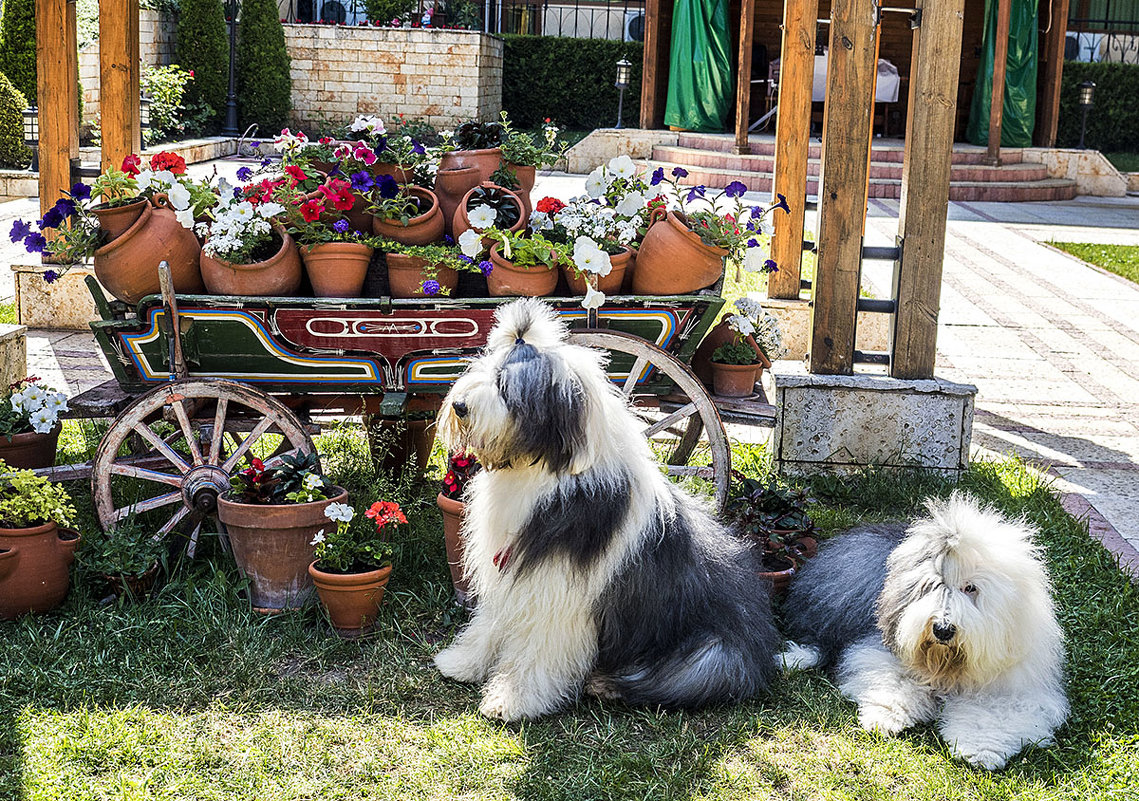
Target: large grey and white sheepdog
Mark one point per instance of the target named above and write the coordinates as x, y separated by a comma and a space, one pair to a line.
949, 620
592, 570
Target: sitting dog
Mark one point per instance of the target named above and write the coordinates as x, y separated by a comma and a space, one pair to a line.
950, 620
591, 569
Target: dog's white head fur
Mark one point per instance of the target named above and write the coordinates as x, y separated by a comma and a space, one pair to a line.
967, 597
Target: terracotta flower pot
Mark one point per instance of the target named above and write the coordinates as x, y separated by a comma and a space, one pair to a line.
272, 546
720, 334
337, 269
485, 161
630, 271
780, 579
526, 176
405, 276
34, 564
450, 187
30, 451
401, 175
672, 260
734, 380
352, 599
462, 223
128, 265
277, 276
115, 220
507, 280
423, 229
609, 284
138, 586
453, 539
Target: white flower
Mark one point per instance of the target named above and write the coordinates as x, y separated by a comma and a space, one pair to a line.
750, 307
34, 397
588, 256
17, 401
56, 403
470, 243
42, 420
622, 167
144, 180
270, 210
631, 204
741, 325
185, 217
593, 298
318, 539
313, 481
179, 197
370, 123
340, 512
242, 211
596, 183
447, 134
163, 179
482, 217
540, 221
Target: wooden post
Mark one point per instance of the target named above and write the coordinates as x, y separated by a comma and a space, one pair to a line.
852, 68
118, 79
649, 59
55, 90
743, 76
924, 206
73, 77
1048, 107
792, 143
1000, 66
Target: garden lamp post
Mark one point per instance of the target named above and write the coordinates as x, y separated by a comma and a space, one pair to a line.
1087, 94
32, 135
622, 83
144, 102
230, 127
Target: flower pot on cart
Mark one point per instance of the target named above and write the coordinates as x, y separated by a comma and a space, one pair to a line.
115, 220
34, 568
450, 187
673, 260
486, 161
609, 284
276, 276
352, 599
721, 333
526, 175
734, 380
462, 223
30, 450
507, 279
422, 229
337, 269
405, 276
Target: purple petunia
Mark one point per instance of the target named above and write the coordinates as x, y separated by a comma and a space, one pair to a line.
35, 243
81, 191
341, 226
417, 148
485, 267
237, 193
658, 176
782, 204
756, 212
388, 187
431, 288
50, 276
735, 189
463, 257
52, 218
448, 239
20, 229
679, 172
66, 207
265, 162
694, 192
335, 170
771, 266
244, 174
753, 243
362, 181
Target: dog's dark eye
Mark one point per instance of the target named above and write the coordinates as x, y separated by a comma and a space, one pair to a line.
969, 589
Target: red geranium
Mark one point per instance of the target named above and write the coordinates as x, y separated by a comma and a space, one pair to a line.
312, 210
384, 512
168, 161
339, 192
296, 173
131, 165
549, 205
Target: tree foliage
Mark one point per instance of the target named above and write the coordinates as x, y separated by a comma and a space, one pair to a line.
18, 45
264, 86
203, 49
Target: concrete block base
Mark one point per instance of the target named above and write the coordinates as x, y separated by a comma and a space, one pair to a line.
872, 333
65, 304
13, 354
605, 143
840, 424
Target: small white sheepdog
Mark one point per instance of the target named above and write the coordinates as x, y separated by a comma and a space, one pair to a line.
949, 620
592, 570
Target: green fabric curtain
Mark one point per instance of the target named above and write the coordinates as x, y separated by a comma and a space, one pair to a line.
700, 66
1019, 115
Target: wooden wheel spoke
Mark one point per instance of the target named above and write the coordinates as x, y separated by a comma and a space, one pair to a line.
634, 373
218, 432
169, 525
188, 432
665, 422
157, 502
162, 447
247, 443
276, 460
145, 474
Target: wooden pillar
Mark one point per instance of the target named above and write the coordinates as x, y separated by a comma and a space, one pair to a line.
743, 76
1048, 104
1000, 66
55, 90
649, 64
118, 79
852, 68
73, 76
924, 207
792, 143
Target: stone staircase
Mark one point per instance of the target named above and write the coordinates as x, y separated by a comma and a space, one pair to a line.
709, 161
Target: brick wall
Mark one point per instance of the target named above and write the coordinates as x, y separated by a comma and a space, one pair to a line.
157, 41
444, 77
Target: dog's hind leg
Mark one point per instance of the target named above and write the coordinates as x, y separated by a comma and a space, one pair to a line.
888, 698
988, 728
470, 657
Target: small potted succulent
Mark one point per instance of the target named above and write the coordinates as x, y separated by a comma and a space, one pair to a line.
127, 555
461, 467
774, 518
29, 424
271, 516
739, 361
427, 271
36, 548
522, 265
353, 564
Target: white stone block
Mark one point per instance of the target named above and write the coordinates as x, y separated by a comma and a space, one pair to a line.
13, 354
64, 304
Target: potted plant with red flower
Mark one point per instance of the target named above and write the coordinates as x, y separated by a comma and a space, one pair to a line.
353, 564
336, 254
461, 467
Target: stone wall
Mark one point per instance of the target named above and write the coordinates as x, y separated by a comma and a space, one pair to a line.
157, 41
443, 77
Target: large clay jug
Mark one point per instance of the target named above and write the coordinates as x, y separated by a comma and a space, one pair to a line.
34, 562
485, 161
672, 259
279, 275
450, 186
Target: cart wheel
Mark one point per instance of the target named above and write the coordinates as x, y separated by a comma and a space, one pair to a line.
196, 433
693, 428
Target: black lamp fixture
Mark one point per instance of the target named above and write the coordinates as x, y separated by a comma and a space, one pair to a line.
32, 135
1087, 96
624, 68
232, 7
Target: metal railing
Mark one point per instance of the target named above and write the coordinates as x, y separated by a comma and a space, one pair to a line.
1109, 32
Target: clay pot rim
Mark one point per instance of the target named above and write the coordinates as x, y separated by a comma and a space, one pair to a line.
481, 151
462, 207
358, 247
348, 579
496, 255
286, 243
680, 223
122, 239
105, 205
455, 170
449, 504
23, 436
752, 365
34, 531
415, 189
340, 493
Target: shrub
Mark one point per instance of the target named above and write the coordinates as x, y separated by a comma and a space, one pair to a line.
13, 152
569, 80
170, 117
384, 11
203, 49
264, 86
1113, 124
18, 45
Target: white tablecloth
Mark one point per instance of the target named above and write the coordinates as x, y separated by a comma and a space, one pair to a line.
885, 90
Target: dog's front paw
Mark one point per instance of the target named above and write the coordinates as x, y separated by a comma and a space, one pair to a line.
882, 719
500, 703
461, 665
979, 755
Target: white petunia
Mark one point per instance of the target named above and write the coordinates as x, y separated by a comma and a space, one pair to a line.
369, 123
313, 481
270, 210
34, 396
56, 402
596, 183
622, 167
482, 217
179, 197
540, 221
318, 539
340, 512
42, 420
185, 217
470, 243
593, 298
17, 401
242, 211
588, 256
631, 204
750, 307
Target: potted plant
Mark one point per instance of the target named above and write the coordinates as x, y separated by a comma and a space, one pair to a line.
408, 214
247, 251
775, 520
353, 565
520, 265
461, 467
426, 271
29, 424
600, 239
35, 550
754, 339
489, 206
272, 516
335, 254
523, 155
475, 144
127, 555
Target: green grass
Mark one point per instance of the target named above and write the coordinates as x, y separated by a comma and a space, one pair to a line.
1122, 260
1125, 161
192, 695
8, 312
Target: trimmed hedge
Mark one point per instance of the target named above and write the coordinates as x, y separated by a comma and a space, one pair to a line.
1113, 122
14, 153
18, 45
568, 80
203, 49
264, 86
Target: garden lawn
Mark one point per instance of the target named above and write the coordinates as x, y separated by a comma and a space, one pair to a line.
1124, 161
8, 312
191, 695
1120, 259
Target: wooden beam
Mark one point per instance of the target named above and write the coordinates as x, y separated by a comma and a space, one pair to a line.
73, 86
1048, 105
852, 69
1000, 67
743, 76
924, 206
118, 79
55, 90
792, 143
649, 61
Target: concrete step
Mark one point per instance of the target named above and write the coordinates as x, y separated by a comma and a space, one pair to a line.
889, 150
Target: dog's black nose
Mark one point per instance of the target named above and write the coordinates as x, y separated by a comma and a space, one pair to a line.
944, 631
460, 408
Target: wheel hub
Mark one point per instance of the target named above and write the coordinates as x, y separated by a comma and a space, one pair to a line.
202, 486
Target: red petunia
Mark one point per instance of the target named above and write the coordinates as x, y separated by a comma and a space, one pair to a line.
131, 165
549, 205
168, 161
339, 192
296, 173
384, 512
312, 210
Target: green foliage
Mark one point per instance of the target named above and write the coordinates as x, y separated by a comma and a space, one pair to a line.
263, 82
1122, 260
384, 11
475, 135
166, 87
28, 500
203, 49
568, 80
18, 45
735, 353
128, 549
356, 545
534, 251
1113, 122
773, 515
13, 152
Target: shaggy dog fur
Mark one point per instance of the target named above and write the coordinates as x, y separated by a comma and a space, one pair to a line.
950, 620
591, 569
